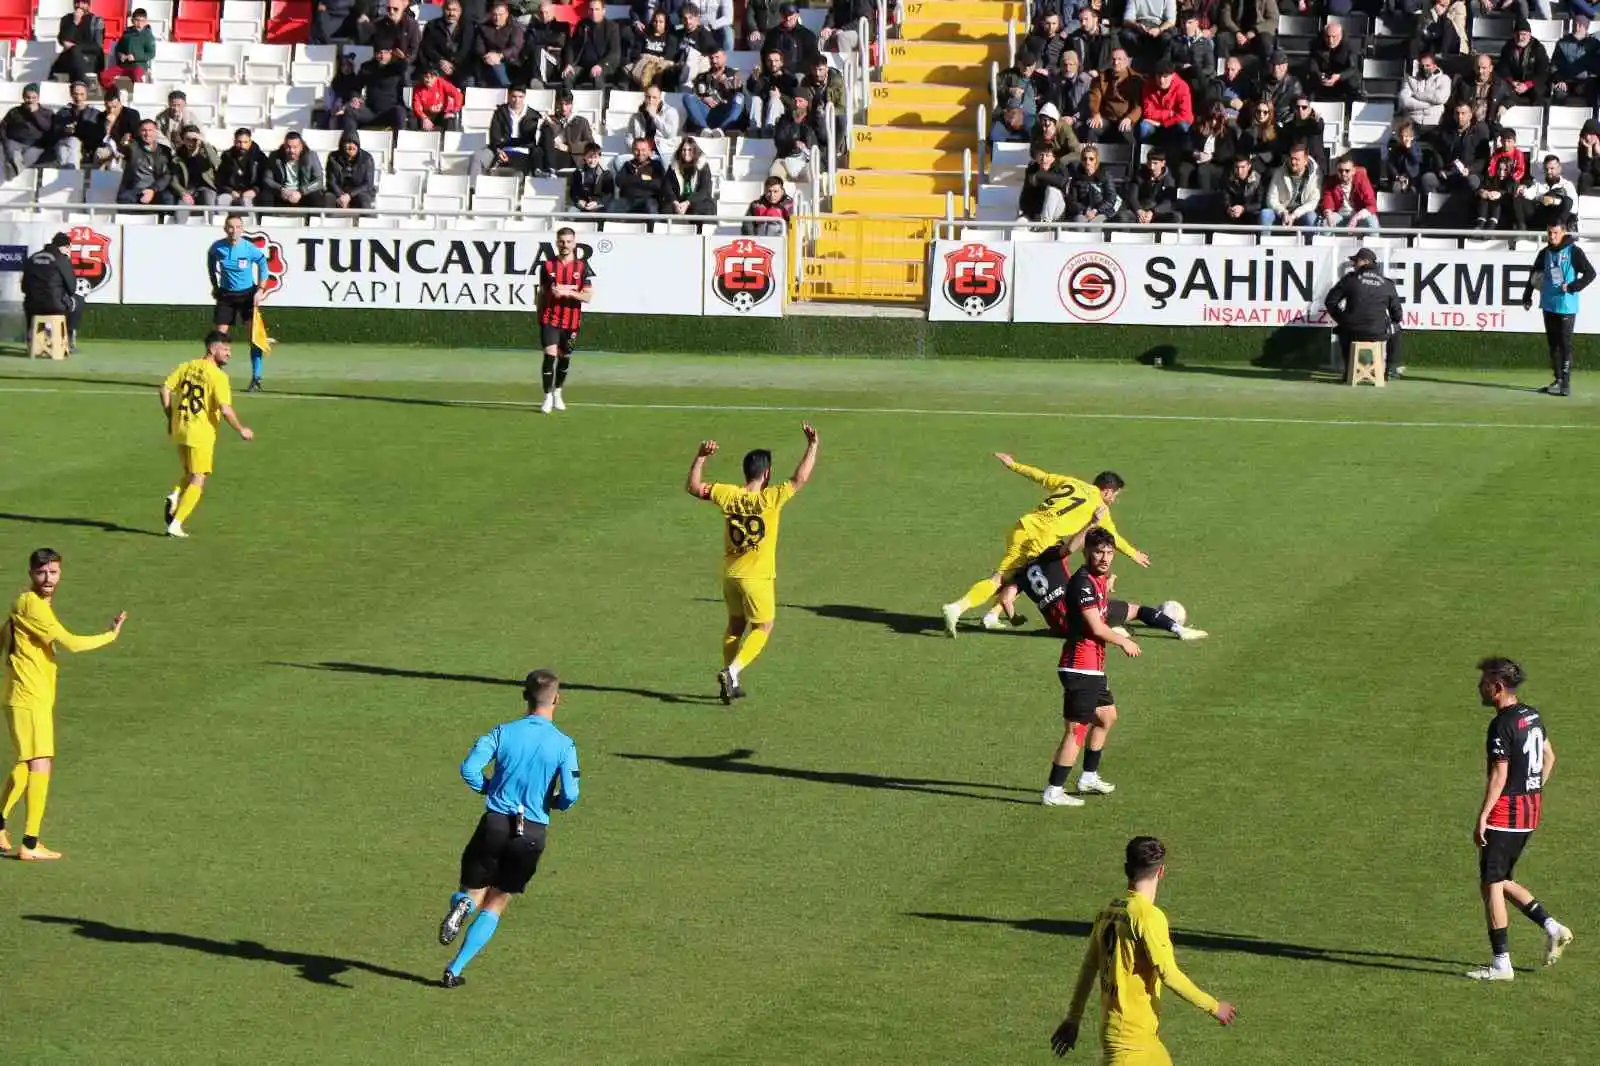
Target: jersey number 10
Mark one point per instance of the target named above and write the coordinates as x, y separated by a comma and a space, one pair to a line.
1533, 750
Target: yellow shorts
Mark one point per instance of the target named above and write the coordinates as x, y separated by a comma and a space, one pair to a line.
1021, 545
1153, 1054
196, 457
755, 599
33, 732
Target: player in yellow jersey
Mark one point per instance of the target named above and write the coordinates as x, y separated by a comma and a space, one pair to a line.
29, 693
1130, 951
195, 397
1068, 509
750, 515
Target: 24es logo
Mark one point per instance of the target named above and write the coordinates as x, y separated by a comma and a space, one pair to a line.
744, 275
277, 265
91, 258
975, 278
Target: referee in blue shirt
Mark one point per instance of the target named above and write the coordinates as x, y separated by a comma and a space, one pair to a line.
535, 768
239, 272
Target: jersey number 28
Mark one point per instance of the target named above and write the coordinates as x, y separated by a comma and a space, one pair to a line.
193, 399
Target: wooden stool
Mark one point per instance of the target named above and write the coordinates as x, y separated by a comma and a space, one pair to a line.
47, 336
1372, 368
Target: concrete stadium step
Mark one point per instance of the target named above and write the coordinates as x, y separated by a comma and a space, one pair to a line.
894, 113
973, 53
924, 95
914, 72
844, 232
914, 183
876, 202
945, 138
903, 249
885, 275
986, 29
874, 157
963, 10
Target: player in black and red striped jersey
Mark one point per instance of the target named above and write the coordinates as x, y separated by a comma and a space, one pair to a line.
1521, 761
566, 283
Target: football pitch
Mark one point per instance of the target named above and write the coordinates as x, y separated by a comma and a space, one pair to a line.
257, 787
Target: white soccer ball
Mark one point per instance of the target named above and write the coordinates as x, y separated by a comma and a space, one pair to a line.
974, 306
1175, 611
743, 302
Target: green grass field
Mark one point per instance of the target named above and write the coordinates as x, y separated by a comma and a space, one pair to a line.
257, 789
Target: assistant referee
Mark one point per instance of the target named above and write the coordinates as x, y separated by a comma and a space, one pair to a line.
535, 768
239, 272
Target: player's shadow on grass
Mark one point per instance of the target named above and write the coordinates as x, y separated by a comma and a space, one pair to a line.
483, 679
83, 523
908, 624
1208, 940
318, 969
737, 762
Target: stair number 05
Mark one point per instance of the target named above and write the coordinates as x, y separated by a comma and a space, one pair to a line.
880, 92
913, 9
1533, 748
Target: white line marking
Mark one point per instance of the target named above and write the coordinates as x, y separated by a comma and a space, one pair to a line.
1105, 416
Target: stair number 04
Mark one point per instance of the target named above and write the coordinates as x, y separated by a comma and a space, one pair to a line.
1533, 748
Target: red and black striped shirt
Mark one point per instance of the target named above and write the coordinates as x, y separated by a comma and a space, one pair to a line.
1517, 738
1083, 652
563, 312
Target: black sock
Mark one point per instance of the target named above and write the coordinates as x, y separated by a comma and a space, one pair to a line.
562, 364
1091, 760
1150, 616
1059, 774
1535, 912
547, 372
30, 842
1497, 941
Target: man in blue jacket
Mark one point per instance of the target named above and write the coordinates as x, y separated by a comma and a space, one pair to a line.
1561, 271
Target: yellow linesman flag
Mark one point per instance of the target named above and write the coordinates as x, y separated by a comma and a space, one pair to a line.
258, 333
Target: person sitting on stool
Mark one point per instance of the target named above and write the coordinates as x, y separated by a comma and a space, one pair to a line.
1365, 306
49, 287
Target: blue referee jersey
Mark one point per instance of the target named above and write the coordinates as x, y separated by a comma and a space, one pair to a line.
236, 266
528, 755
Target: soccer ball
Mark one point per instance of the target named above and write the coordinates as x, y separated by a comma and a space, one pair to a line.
974, 306
744, 302
1175, 611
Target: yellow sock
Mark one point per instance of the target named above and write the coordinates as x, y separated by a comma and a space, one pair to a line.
38, 794
976, 595
749, 648
188, 500
730, 648
15, 784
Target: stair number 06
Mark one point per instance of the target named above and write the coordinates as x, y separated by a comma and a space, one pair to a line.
898, 51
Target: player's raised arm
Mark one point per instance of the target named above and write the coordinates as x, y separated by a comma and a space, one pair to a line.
695, 484
46, 628
808, 461
1032, 473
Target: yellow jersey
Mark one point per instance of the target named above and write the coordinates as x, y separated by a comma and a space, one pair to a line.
1067, 510
200, 390
750, 527
1130, 951
31, 633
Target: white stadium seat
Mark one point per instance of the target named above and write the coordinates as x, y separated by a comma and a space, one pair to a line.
459, 149
323, 141
495, 192
399, 192
31, 60
60, 186
174, 61
242, 21
445, 192
267, 64
314, 64
103, 186
20, 191
54, 95
293, 105
416, 150
248, 105
220, 64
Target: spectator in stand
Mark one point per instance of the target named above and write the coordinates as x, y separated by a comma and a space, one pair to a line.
132, 55
1460, 155
1166, 109
1547, 201
340, 20
79, 129
1294, 192
241, 172
841, 27
797, 43
656, 121
1193, 54
1092, 43
1091, 197
171, 122
447, 44
715, 103
497, 47
1402, 159
1023, 86
513, 138
1306, 127
1424, 94
1244, 194
716, 17
1520, 9
378, 104
769, 214
345, 86
1575, 67
1589, 158
1146, 24
1011, 127
1234, 88
771, 91
822, 86
564, 136
1072, 91
696, 42
689, 187
1487, 95
1247, 27
1205, 12
1059, 135
1152, 194
1348, 199
793, 138
594, 51
29, 131
544, 39
1213, 145
590, 186
197, 164
122, 126
1442, 30
641, 182
1114, 104
1044, 187
293, 177
656, 53
436, 104
1259, 141
352, 175
1333, 70
399, 29
1502, 184
82, 40
1525, 65
760, 19
150, 175
1048, 41
1280, 88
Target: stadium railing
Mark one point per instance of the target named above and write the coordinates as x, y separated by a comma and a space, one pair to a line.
952, 228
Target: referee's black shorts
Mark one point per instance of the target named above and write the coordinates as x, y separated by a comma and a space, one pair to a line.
555, 337
493, 858
1497, 859
235, 307
1082, 695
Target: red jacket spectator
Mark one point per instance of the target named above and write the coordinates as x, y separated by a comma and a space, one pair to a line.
435, 101
1362, 197
1167, 100
1519, 163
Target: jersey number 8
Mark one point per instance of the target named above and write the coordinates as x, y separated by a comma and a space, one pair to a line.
746, 531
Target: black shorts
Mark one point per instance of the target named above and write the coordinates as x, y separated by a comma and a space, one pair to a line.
1082, 695
1116, 612
555, 337
235, 308
493, 858
1498, 858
